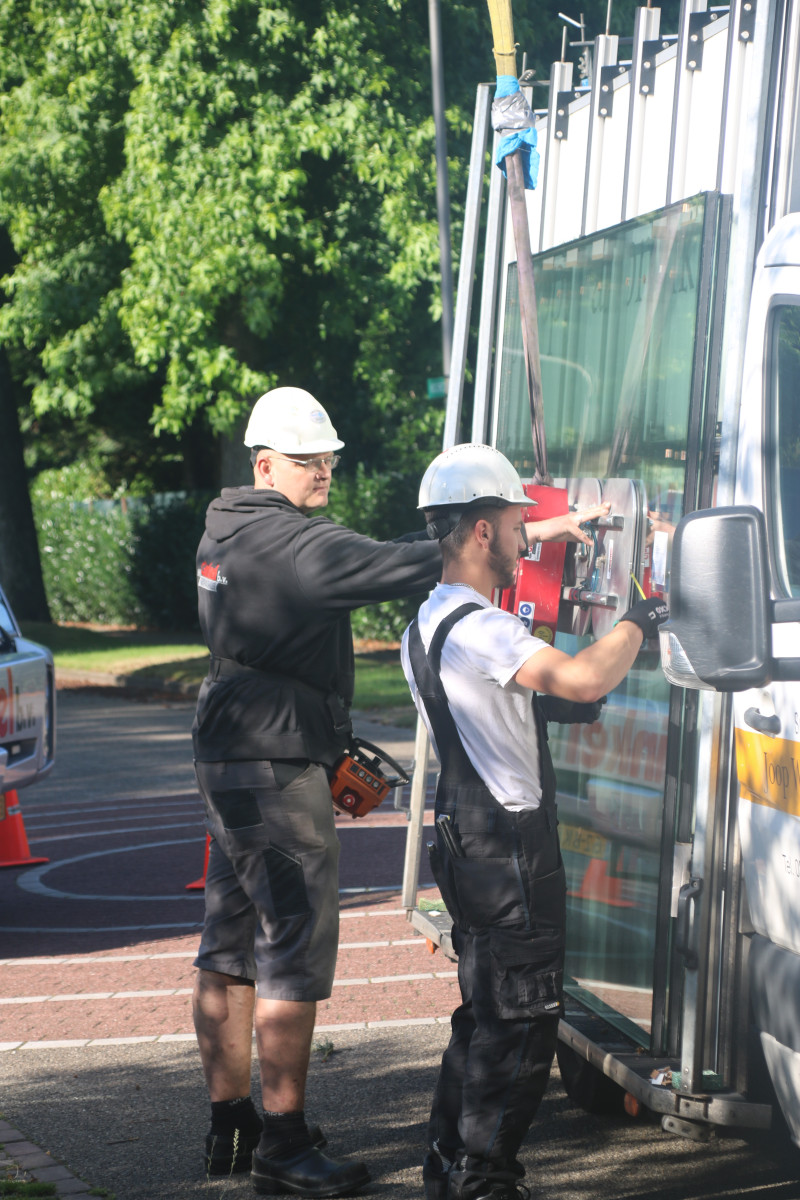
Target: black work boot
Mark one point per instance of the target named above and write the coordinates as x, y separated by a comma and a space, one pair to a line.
465, 1184
232, 1153
307, 1172
435, 1172
297, 1165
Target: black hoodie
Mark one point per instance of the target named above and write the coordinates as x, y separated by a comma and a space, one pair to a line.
276, 590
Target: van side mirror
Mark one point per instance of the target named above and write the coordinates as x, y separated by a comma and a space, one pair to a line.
719, 635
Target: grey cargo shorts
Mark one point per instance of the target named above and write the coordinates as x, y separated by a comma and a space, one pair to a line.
272, 884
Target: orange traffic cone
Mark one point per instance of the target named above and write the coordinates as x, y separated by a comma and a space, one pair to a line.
597, 884
200, 883
14, 849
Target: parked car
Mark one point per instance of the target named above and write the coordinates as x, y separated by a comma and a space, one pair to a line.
27, 706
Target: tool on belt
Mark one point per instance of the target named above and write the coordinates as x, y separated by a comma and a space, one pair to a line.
359, 782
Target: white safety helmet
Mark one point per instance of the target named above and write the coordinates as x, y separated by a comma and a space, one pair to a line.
291, 421
465, 475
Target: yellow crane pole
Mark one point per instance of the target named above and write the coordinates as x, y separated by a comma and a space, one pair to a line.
505, 57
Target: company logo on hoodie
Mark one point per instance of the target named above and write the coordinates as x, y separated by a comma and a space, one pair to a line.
209, 577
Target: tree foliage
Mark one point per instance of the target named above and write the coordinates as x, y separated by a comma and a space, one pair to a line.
206, 197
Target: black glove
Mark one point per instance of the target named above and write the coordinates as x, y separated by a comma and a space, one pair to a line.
648, 615
570, 712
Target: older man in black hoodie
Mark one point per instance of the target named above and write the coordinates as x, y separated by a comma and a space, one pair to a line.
276, 590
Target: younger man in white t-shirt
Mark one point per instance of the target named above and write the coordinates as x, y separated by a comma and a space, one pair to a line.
474, 672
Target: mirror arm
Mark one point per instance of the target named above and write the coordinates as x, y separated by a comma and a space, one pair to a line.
784, 611
784, 670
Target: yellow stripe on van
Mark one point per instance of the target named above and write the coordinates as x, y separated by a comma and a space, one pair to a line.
769, 770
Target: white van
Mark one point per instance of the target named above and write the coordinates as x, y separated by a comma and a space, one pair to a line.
665, 235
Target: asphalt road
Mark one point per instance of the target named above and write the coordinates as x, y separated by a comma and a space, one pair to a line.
98, 1063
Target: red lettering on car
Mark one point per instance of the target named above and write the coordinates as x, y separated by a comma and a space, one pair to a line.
7, 706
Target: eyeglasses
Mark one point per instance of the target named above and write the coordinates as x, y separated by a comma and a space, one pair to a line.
329, 461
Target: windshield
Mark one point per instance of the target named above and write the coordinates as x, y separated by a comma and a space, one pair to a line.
8, 626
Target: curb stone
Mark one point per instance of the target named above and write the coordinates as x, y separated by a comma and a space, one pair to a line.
33, 1164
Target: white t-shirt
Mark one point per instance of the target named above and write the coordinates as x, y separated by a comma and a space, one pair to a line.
494, 715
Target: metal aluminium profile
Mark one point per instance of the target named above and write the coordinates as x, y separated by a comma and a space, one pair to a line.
606, 49
669, 862
703, 408
723, 1001
455, 391
701, 395
493, 246
726, 1108
560, 83
699, 898
681, 105
746, 224
735, 982
785, 196
733, 99
466, 266
646, 28
416, 817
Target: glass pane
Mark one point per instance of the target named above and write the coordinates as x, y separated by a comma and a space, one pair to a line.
617, 317
786, 410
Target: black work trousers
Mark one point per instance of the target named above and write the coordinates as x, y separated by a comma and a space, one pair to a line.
506, 892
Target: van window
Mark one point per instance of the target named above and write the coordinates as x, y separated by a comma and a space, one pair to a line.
785, 452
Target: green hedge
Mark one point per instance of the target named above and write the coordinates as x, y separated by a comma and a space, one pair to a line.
116, 563
133, 563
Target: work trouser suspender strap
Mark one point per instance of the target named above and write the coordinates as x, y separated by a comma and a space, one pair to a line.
547, 774
426, 667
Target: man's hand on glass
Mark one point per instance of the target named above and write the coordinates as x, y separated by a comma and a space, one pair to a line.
566, 527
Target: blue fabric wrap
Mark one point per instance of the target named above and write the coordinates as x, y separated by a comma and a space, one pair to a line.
506, 86
523, 140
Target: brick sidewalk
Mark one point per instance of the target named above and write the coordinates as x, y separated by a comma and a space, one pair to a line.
21, 1160
386, 976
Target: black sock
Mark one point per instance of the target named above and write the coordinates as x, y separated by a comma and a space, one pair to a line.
229, 1115
283, 1132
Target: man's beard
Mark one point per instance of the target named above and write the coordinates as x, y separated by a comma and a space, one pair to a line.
503, 565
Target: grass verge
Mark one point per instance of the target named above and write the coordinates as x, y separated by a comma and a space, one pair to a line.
182, 659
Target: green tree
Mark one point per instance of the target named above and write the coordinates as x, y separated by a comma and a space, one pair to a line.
210, 196
206, 198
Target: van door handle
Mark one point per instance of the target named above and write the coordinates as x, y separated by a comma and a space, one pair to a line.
688, 894
763, 724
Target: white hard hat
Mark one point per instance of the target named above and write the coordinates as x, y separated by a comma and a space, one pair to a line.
469, 473
291, 421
